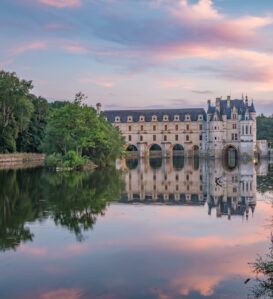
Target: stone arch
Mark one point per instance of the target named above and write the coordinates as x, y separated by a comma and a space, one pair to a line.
132, 150
230, 156
155, 150
178, 150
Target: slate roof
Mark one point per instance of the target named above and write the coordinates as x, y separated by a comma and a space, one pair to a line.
123, 114
241, 106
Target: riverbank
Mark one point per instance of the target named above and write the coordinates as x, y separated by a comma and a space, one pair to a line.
20, 160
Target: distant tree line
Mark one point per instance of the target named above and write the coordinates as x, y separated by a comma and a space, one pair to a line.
265, 127
70, 133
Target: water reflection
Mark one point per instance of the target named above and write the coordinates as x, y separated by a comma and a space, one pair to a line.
193, 182
72, 200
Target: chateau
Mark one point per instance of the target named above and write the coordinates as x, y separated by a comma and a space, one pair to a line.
226, 128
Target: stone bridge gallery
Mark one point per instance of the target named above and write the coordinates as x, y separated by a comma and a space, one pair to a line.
226, 129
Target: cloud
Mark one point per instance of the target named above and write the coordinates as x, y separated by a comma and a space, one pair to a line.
34, 45
61, 3
62, 294
202, 91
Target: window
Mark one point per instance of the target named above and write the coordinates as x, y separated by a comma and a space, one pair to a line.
232, 136
243, 130
165, 137
154, 137
200, 137
117, 119
235, 137
117, 127
177, 177
141, 138
215, 138
246, 130
165, 127
250, 129
200, 117
129, 118
187, 138
165, 117
141, 118
154, 128
187, 127
188, 117
176, 117
154, 118
176, 127
141, 128
200, 127
187, 177
176, 137
177, 188
130, 128
234, 116
234, 126
215, 128
129, 138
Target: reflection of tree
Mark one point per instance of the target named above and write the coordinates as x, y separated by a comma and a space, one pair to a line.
265, 183
72, 199
263, 267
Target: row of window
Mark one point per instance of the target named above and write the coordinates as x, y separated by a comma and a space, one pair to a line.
246, 130
165, 137
155, 118
165, 127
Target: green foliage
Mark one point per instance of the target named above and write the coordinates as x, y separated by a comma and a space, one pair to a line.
30, 140
72, 199
265, 127
15, 109
76, 127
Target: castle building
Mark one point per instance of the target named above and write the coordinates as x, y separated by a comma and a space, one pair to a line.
226, 128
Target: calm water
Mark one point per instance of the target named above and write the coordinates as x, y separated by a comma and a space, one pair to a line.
150, 229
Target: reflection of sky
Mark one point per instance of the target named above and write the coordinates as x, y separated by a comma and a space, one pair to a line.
138, 251
129, 53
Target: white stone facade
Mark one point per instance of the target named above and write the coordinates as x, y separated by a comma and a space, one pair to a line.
229, 124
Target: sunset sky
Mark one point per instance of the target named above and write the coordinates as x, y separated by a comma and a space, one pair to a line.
141, 53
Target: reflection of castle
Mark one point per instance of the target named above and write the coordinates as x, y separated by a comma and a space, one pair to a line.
192, 182
231, 192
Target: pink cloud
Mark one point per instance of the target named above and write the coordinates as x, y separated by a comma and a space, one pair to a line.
61, 3
63, 294
36, 45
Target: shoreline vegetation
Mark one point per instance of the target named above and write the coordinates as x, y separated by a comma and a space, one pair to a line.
69, 135
72, 135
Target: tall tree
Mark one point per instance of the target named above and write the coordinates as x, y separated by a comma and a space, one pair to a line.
15, 109
30, 139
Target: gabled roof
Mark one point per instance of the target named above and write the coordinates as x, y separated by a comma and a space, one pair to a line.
226, 109
159, 113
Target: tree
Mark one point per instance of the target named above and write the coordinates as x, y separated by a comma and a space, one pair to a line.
31, 139
15, 109
77, 127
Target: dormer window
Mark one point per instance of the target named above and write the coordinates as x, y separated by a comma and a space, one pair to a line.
200, 117
117, 119
165, 118
187, 117
141, 118
129, 119
176, 117
154, 118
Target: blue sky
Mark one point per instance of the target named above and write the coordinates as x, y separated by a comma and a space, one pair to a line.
141, 53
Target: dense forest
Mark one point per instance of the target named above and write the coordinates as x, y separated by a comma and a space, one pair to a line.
70, 133
265, 127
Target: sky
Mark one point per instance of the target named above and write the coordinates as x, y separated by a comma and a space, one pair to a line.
141, 53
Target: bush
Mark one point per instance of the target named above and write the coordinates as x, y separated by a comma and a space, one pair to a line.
54, 160
72, 160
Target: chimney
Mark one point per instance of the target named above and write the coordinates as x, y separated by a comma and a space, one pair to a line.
217, 103
98, 107
228, 101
